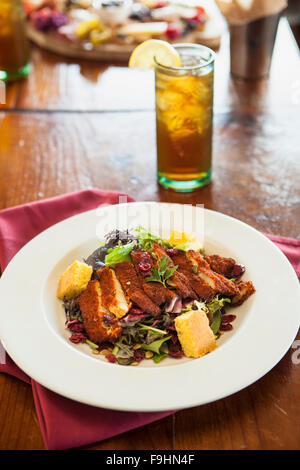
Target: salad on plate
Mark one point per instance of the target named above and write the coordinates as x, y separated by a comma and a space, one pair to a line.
141, 297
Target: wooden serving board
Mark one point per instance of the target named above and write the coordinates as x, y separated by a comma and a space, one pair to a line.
58, 45
210, 37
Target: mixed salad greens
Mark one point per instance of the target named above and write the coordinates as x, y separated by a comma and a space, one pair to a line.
143, 335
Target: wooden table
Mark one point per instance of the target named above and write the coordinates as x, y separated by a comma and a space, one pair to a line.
72, 125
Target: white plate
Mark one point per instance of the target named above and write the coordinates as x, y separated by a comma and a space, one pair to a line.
32, 319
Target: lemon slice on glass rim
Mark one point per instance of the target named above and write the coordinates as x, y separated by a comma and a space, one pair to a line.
164, 53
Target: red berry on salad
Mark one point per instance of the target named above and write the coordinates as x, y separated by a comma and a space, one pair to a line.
228, 319
139, 355
238, 270
78, 338
144, 266
174, 350
226, 327
75, 325
111, 358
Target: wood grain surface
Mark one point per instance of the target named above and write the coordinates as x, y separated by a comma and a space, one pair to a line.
73, 125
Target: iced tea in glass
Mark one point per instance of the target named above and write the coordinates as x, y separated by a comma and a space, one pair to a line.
184, 111
14, 49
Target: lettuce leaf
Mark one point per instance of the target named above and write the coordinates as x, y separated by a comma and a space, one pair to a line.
146, 238
216, 323
155, 345
119, 253
155, 331
159, 357
216, 304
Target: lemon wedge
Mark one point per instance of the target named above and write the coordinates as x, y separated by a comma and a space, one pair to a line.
143, 55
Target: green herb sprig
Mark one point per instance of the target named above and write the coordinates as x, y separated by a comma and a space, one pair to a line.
163, 272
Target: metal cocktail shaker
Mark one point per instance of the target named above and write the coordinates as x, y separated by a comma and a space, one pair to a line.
251, 47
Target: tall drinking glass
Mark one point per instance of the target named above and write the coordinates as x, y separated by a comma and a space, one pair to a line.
14, 49
184, 111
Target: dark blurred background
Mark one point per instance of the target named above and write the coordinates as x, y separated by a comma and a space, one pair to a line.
293, 15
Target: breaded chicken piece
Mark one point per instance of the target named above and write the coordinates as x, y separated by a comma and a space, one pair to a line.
187, 267
197, 260
113, 296
99, 324
178, 280
221, 265
215, 281
131, 284
155, 291
245, 289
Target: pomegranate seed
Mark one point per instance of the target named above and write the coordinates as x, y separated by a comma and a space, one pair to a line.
226, 327
111, 358
228, 318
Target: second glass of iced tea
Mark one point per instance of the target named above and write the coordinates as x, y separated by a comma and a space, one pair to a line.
14, 47
184, 111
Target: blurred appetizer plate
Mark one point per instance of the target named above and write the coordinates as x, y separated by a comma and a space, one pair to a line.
112, 50
32, 319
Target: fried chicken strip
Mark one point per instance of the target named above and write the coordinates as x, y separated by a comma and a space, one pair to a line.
98, 322
178, 280
130, 282
215, 281
155, 291
114, 298
221, 265
187, 268
245, 289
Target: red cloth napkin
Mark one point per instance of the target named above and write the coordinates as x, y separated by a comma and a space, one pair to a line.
65, 423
